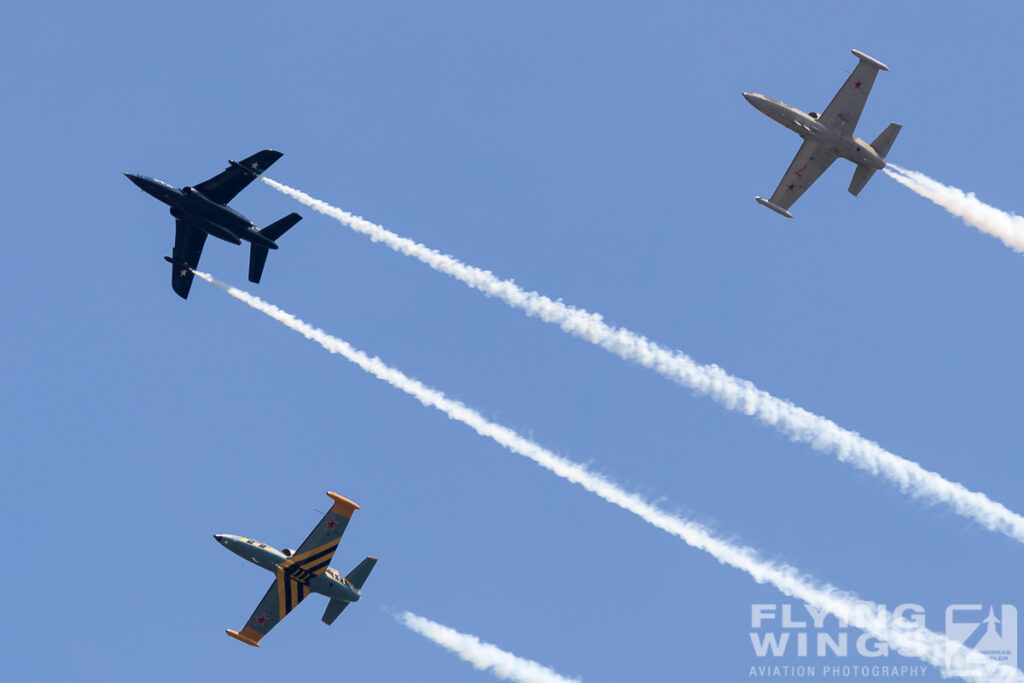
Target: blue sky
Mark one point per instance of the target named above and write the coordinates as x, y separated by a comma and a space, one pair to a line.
601, 154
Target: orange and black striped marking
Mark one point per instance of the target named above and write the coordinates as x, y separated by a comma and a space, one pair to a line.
289, 592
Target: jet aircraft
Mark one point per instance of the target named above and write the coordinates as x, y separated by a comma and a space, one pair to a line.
828, 136
202, 210
300, 572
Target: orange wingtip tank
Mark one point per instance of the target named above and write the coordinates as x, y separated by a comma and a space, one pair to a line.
247, 636
342, 505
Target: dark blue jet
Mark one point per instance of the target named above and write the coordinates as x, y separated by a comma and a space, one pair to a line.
202, 210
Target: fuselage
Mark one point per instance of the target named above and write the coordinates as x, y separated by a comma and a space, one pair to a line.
809, 127
217, 220
329, 583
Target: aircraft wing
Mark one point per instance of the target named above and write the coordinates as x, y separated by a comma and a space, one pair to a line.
224, 186
315, 553
281, 598
188, 247
844, 110
810, 162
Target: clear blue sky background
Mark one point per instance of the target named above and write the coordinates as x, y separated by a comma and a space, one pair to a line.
598, 153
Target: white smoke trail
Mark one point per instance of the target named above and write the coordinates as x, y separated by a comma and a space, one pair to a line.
1008, 227
909, 638
483, 656
732, 392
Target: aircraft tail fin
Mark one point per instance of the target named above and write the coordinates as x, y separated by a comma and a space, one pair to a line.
860, 178
357, 577
334, 608
280, 227
257, 259
881, 145
258, 253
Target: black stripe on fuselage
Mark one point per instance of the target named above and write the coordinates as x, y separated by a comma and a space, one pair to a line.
298, 574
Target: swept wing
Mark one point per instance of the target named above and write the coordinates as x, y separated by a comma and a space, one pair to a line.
280, 599
810, 162
315, 553
843, 112
188, 247
224, 186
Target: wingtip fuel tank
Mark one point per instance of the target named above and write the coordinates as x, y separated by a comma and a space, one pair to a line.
778, 209
242, 636
870, 60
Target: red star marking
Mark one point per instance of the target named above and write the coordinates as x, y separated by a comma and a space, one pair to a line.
261, 620
857, 84
330, 524
790, 187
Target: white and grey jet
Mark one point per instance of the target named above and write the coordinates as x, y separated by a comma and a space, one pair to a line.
828, 136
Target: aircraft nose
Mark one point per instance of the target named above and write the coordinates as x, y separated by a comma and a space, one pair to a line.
758, 101
219, 538
134, 178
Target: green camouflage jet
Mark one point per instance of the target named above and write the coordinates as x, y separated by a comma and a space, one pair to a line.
300, 572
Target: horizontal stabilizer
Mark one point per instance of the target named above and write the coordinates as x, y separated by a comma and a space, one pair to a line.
280, 227
860, 178
883, 143
357, 577
778, 209
258, 253
257, 259
334, 608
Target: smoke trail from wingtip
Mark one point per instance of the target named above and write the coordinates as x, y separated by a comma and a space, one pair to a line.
1007, 227
483, 656
908, 637
732, 392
